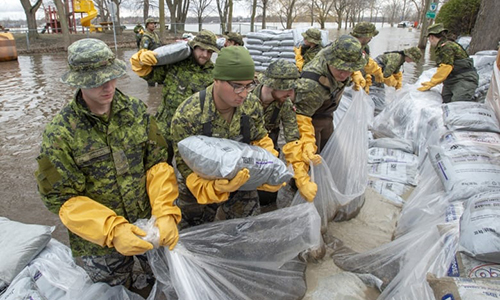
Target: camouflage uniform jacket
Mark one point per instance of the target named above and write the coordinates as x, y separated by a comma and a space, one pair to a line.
286, 116
318, 97
390, 62
310, 53
103, 158
180, 80
189, 119
150, 40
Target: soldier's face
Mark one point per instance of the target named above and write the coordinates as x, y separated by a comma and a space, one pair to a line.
282, 95
151, 26
339, 75
99, 99
225, 92
364, 40
202, 56
433, 40
229, 43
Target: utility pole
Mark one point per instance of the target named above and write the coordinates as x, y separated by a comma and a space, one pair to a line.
426, 21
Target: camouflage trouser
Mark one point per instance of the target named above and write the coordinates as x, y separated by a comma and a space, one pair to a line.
239, 205
116, 269
459, 90
323, 129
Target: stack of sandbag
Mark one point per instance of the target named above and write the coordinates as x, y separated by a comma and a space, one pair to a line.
267, 46
484, 61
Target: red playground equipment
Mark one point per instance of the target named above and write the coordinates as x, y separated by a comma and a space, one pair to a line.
53, 25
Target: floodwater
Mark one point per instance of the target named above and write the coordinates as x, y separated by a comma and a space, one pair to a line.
31, 94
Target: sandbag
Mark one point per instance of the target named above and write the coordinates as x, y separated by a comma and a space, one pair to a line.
172, 53
214, 158
464, 288
469, 116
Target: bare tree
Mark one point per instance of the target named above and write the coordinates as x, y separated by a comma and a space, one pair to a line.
161, 7
30, 11
201, 8
286, 9
340, 7
264, 12
63, 19
103, 10
230, 15
483, 37
116, 22
322, 10
222, 8
254, 13
393, 8
178, 12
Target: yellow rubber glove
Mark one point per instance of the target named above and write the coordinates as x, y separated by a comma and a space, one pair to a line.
139, 67
271, 188
374, 69
299, 60
368, 84
308, 140
390, 81
399, 78
148, 58
162, 189
215, 191
441, 74
266, 143
358, 80
293, 155
100, 225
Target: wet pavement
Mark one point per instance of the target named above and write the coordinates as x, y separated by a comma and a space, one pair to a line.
31, 94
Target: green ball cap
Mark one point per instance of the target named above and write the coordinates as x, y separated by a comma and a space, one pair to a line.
234, 64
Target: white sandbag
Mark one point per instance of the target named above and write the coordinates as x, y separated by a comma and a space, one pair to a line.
466, 169
254, 41
214, 158
172, 53
390, 190
464, 288
378, 155
251, 258
464, 115
19, 244
263, 36
473, 268
480, 225
394, 171
392, 143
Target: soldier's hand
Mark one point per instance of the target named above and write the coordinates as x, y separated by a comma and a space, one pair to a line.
148, 58
425, 86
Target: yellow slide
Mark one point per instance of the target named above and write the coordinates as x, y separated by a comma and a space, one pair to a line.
85, 6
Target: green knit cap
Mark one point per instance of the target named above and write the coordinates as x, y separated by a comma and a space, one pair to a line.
234, 64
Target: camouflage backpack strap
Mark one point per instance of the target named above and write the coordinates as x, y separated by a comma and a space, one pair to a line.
315, 77
245, 128
207, 127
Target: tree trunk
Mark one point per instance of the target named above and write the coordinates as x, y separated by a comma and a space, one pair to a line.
30, 11
161, 7
63, 19
484, 36
252, 18
230, 16
422, 42
264, 13
145, 11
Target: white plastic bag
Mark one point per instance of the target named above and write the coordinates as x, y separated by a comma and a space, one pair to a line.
472, 116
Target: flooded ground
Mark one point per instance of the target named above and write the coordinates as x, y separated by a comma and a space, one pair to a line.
31, 94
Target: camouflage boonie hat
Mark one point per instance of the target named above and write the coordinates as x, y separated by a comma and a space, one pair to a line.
281, 75
345, 54
206, 40
92, 64
312, 35
235, 37
413, 53
150, 20
436, 29
364, 29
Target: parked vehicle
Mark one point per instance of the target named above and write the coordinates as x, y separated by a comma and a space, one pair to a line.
404, 24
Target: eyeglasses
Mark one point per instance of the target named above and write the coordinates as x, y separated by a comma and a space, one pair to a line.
239, 88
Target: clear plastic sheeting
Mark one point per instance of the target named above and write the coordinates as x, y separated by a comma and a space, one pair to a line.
479, 227
464, 288
469, 116
392, 143
251, 258
378, 155
493, 95
214, 158
484, 61
401, 172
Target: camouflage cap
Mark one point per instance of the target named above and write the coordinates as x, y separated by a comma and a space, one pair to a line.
364, 29
150, 20
413, 53
235, 37
92, 64
312, 35
206, 40
281, 75
234, 63
346, 54
436, 29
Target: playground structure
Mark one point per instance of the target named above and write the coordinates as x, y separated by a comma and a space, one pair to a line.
74, 7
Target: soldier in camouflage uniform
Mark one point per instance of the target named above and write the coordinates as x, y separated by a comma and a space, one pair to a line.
150, 39
365, 32
225, 109
310, 47
233, 39
455, 68
274, 92
139, 31
320, 89
182, 79
102, 167
391, 62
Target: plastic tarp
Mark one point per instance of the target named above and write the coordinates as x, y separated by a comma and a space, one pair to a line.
251, 258
493, 95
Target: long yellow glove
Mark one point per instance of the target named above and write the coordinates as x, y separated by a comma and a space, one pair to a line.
293, 155
441, 74
271, 188
368, 83
143, 61
100, 225
374, 69
299, 60
215, 191
161, 185
390, 81
358, 79
266, 143
399, 78
308, 139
